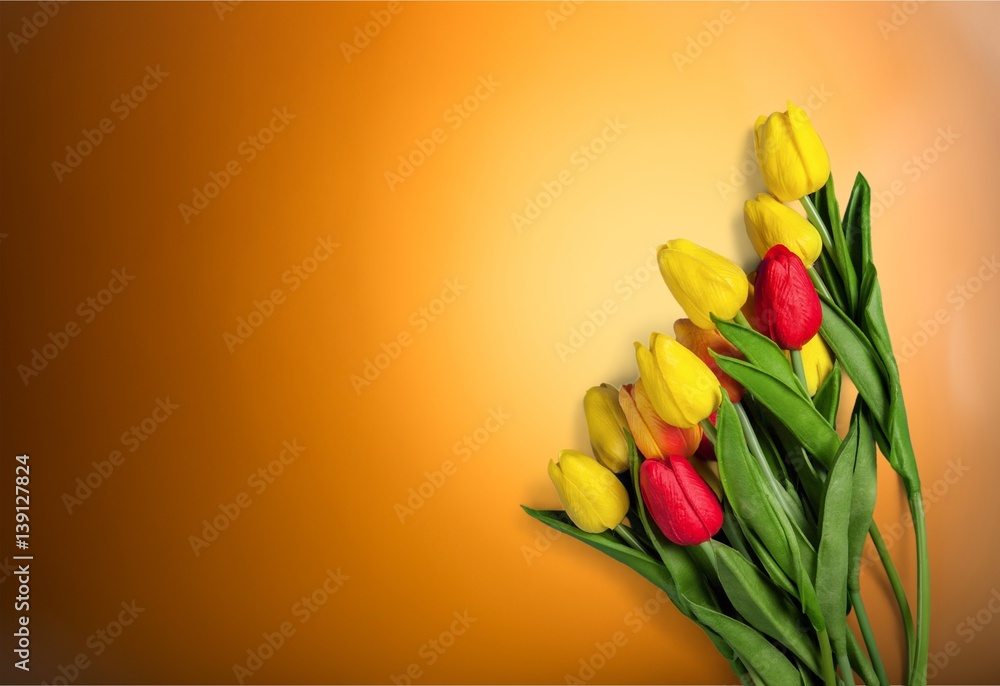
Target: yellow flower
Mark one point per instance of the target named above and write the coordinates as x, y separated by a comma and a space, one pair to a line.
702, 281
817, 362
681, 387
594, 498
790, 154
605, 421
770, 222
654, 437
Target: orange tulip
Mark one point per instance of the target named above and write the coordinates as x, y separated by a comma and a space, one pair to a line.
700, 341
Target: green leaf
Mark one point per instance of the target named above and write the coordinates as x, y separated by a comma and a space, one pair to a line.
753, 648
860, 661
763, 606
857, 225
643, 564
864, 489
858, 358
761, 352
896, 427
825, 200
835, 516
827, 398
791, 407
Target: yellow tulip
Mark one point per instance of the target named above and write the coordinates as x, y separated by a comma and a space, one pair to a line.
770, 222
790, 154
702, 281
703, 343
594, 498
680, 386
817, 362
605, 422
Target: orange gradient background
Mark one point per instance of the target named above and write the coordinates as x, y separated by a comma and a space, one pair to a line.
879, 98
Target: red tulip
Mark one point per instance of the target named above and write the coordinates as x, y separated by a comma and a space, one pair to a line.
786, 307
681, 503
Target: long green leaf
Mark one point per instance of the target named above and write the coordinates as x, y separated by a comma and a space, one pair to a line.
791, 408
762, 605
761, 352
753, 648
825, 200
643, 564
858, 358
857, 225
827, 398
864, 489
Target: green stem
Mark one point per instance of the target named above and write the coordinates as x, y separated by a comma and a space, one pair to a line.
706, 546
846, 673
756, 451
741, 320
866, 633
820, 284
826, 656
710, 431
897, 589
800, 370
918, 669
817, 221
631, 539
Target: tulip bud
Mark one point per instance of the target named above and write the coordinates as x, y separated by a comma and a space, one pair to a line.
786, 306
679, 500
706, 450
790, 154
769, 223
681, 387
594, 498
703, 282
605, 422
653, 436
817, 363
700, 341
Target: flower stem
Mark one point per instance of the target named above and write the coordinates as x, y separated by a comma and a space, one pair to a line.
709, 430
897, 588
826, 656
710, 554
817, 221
918, 669
630, 538
756, 451
800, 371
819, 283
741, 320
846, 673
866, 632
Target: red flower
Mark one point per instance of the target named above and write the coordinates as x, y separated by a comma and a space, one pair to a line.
681, 503
786, 307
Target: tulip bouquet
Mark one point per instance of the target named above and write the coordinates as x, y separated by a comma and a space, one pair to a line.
719, 474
